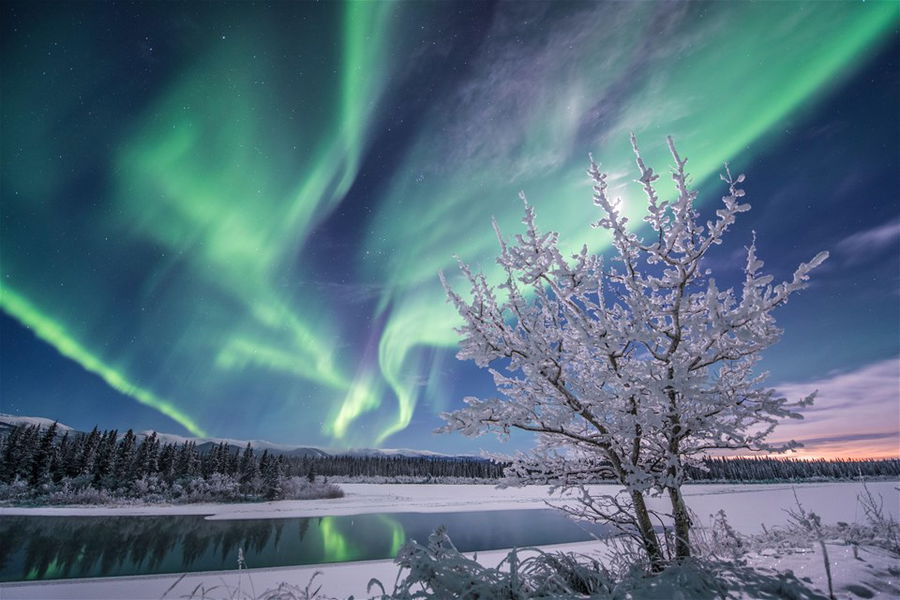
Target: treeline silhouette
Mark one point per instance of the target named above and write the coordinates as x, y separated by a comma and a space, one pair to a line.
747, 469
417, 468
753, 469
37, 461
38, 464
108, 460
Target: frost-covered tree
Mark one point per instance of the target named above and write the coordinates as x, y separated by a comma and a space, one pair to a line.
62, 458
146, 461
631, 370
43, 457
13, 456
87, 454
103, 465
125, 453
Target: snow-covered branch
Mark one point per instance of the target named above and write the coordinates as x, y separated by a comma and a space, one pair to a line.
635, 368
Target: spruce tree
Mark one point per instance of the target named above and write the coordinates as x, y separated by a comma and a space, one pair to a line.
88, 454
125, 453
248, 469
12, 452
43, 457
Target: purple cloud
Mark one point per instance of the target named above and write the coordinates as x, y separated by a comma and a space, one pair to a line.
862, 244
856, 413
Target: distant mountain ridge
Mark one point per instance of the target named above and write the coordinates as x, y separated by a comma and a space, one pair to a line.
9, 421
205, 444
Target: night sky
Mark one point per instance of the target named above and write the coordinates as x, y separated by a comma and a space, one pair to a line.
227, 219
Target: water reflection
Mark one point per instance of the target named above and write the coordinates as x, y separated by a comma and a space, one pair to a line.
63, 547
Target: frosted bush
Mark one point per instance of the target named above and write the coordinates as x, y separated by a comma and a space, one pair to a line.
883, 529
294, 487
71, 495
299, 488
149, 485
283, 591
177, 491
438, 570
219, 486
16, 491
721, 539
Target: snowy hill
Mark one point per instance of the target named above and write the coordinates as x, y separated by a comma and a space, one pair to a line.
377, 452
206, 443
8, 422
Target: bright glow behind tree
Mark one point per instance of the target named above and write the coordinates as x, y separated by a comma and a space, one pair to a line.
630, 370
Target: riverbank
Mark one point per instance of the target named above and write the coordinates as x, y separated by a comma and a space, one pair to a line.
339, 580
873, 575
748, 506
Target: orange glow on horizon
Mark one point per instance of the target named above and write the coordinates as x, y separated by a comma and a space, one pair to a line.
836, 450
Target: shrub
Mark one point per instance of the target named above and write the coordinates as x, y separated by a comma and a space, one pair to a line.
299, 488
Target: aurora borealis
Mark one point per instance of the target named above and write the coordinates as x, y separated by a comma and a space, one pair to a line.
227, 219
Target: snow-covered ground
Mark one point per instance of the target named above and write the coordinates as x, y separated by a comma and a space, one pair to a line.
338, 580
748, 508
874, 575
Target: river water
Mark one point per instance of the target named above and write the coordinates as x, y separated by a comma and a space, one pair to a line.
66, 547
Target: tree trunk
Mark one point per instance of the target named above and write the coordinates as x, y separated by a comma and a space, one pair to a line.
682, 523
645, 528
679, 508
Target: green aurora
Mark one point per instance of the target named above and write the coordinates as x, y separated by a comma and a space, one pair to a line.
186, 276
